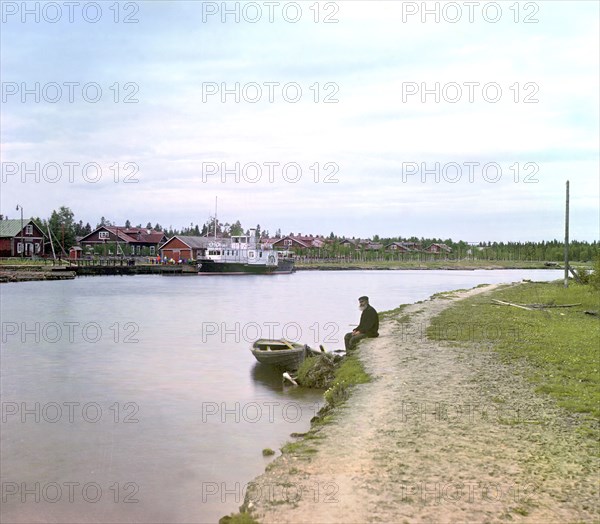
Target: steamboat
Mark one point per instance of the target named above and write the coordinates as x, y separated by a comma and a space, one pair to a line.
240, 255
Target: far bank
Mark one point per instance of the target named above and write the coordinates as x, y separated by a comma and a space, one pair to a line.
21, 271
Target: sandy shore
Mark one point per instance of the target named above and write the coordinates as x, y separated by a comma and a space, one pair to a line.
444, 433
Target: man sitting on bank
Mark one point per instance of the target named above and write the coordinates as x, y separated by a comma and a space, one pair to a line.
368, 327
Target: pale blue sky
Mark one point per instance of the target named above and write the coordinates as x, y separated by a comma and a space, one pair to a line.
371, 135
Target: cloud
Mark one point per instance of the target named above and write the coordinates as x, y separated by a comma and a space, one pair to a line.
369, 63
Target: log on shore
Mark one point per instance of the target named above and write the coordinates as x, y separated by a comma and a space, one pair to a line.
532, 307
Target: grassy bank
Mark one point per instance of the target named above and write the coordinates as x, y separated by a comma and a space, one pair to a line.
430, 264
557, 345
337, 374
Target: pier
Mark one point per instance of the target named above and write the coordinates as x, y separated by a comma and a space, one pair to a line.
48, 269
126, 266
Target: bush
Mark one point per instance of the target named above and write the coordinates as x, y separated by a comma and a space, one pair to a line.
318, 372
337, 394
583, 275
594, 278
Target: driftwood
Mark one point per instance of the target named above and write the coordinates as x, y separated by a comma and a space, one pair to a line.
593, 313
511, 304
544, 306
532, 307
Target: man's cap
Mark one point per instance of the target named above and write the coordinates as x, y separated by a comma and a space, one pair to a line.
363, 298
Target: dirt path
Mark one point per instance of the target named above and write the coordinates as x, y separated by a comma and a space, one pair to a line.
443, 434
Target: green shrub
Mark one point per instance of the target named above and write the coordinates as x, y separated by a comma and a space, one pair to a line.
583, 275
318, 372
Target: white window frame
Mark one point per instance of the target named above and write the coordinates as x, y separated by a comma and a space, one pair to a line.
29, 229
103, 235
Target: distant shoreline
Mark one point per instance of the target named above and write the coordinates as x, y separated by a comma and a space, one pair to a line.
461, 265
421, 268
33, 272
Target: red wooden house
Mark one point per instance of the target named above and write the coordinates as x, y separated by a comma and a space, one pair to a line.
438, 248
297, 242
182, 247
128, 241
359, 243
20, 238
403, 247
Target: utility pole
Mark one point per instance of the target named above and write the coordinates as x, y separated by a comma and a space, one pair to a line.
22, 239
567, 238
216, 218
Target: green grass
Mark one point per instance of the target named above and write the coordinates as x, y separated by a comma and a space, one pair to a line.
447, 295
352, 372
300, 447
392, 313
428, 264
238, 518
562, 345
348, 374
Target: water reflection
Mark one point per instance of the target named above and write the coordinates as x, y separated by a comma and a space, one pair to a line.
268, 376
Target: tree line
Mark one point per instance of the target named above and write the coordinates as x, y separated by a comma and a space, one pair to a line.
66, 231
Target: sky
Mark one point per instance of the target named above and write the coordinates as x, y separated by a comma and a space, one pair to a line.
459, 120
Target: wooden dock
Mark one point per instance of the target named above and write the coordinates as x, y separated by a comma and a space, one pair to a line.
124, 266
48, 269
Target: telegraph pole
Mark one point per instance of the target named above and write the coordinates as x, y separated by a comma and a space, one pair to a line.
567, 238
19, 206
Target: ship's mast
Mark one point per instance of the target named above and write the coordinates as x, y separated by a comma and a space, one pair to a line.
216, 218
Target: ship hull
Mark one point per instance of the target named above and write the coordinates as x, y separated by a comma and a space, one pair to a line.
210, 267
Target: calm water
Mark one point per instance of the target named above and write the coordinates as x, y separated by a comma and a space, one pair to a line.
136, 399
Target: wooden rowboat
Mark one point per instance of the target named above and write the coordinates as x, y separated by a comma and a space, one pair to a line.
281, 353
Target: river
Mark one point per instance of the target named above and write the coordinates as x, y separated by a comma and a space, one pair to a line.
136, 399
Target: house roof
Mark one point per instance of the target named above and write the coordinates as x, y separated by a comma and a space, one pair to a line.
135, 235
131, 235
121, 234
443, 247
358, 241
191, 241
303, 240
154, 238
12, 227
405, 245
